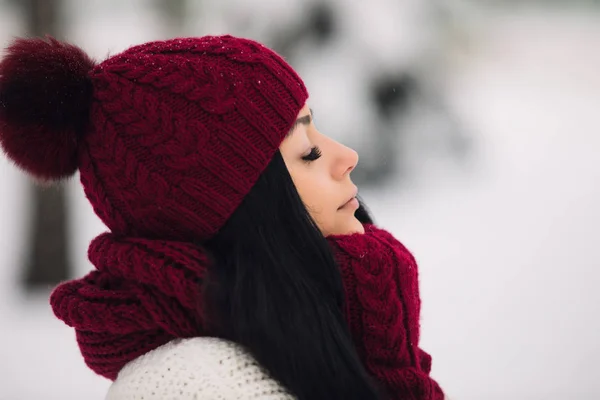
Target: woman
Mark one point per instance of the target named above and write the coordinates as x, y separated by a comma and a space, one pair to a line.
239, 263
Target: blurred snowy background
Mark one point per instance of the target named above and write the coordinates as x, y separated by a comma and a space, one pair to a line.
478, 126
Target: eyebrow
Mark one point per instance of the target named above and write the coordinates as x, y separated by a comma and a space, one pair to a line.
304, 120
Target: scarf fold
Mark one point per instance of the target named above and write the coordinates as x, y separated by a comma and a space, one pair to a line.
383, 309
144, 293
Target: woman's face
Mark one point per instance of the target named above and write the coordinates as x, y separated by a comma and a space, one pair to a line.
320, 168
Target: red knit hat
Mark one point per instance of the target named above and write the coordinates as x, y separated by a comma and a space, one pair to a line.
168, 138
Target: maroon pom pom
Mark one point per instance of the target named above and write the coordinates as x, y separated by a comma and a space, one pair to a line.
45, 97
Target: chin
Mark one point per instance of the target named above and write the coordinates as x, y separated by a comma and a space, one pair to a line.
353, 226
357, 227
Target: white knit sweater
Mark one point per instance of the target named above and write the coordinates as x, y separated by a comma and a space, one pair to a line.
195, 369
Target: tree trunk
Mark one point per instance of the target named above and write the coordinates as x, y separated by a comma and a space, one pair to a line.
48, 262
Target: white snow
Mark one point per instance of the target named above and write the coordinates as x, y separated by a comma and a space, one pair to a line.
509, 266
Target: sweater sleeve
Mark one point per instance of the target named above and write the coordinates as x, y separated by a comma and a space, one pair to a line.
195, 369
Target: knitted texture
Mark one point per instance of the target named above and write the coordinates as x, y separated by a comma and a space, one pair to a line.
181, 130
168, 136
145, 293
383, 309
142, 294
196, 369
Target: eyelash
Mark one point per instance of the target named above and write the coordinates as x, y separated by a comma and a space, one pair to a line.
314, 154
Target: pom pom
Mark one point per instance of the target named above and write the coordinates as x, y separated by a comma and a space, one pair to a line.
45, 98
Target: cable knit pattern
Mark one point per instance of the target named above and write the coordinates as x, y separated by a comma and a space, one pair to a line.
145, 293
383, 309
196, 369
142, 294
169, 137
178, 133
181, 130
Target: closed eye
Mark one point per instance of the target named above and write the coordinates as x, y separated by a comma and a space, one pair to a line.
314, 154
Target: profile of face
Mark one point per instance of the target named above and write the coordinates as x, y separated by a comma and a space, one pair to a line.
320, 168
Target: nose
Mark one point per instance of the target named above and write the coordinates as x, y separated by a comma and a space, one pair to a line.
346, 161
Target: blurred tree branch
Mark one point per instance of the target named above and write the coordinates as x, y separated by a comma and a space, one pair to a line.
175, 12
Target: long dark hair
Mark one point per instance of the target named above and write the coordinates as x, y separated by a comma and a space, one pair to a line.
274, 287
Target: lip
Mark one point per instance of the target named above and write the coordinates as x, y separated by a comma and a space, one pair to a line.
350, 199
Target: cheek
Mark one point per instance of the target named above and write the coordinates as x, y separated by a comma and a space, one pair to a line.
316, 194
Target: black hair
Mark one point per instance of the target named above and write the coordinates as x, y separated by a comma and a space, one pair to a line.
274, 287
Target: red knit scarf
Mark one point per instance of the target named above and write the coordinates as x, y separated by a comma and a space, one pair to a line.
382, 309
144, 293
